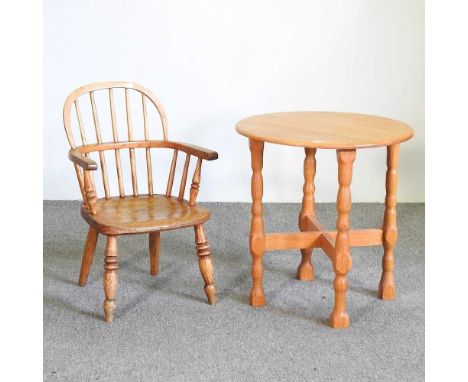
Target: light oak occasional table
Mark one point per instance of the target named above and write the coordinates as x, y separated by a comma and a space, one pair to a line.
343, 132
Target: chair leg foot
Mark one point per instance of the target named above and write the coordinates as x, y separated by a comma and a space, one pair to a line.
111, 267
205, 263
88, 254
210, 294
109, 308
305, 271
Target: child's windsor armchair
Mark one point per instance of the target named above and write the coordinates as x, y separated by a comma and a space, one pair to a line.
136, 213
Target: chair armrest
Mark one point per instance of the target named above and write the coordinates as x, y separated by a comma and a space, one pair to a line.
81, 160
196, 150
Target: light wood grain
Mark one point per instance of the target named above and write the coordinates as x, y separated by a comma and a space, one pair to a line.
187, 148
131, 149
339, 317
324, 129
113, 85
257, 234
147, 213
195, 183
305, 271
205, 263
149, 168
102, 159
143, 214
90, 193
327, 241
387, 290
80, 123
88, 254
111, 267
170, 180
344, 132
183, 181
154, 248
115, 136
292, 240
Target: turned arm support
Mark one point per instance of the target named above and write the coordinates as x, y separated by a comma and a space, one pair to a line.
89, 190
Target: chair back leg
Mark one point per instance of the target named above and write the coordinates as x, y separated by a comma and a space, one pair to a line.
88, 254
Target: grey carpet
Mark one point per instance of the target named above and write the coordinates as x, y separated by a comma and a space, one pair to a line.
165, 331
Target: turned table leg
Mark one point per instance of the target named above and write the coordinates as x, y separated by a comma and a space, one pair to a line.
342, 261
257, 234
111, 267
305, 271
154, 245
205, 263
390, 233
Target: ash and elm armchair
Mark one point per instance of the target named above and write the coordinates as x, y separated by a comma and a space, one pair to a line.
136, 212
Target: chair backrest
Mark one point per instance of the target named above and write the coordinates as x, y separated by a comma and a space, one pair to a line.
102, 103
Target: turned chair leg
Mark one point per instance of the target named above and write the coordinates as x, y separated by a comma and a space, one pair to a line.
342, 263
257, 233
387, 290
205, 263
111, 266
154, 241
305, 271
88, 254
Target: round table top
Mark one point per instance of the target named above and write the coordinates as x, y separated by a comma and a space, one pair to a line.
328, 130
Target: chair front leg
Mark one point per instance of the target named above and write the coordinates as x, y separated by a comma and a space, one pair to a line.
154, 246
205, 263
111, 266
88, 254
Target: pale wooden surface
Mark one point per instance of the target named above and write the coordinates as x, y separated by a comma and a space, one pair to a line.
154, 247
205, 263
387, 289
324, 129
305, 270
342, 262
344, 132
88, 255
143, 214
257, 231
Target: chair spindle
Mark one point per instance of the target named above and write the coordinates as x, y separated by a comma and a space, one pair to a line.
132, 150
149, 169
183, 181
90, 192
80, 123
115, 135
195, 183
102, 158
170, 181
79, 175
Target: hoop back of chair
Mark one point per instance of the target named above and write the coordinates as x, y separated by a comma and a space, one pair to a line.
100, 121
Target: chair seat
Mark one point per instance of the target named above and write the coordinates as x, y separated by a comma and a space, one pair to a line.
143, 214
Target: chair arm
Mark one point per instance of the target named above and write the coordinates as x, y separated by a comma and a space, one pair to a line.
195, 150
81, 160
